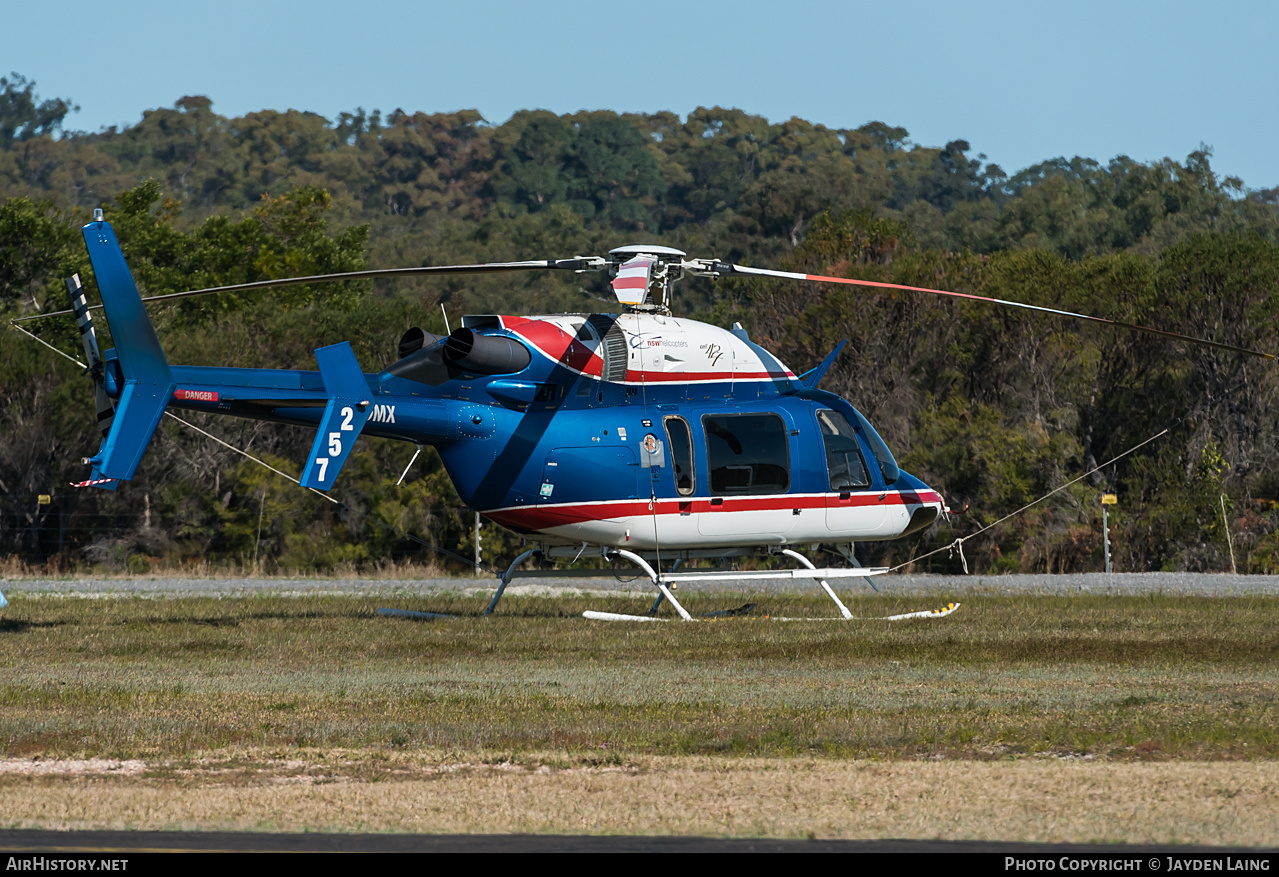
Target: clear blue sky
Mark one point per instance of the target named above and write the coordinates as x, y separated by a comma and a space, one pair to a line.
1021, 81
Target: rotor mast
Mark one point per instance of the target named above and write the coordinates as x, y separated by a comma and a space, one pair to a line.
643, 275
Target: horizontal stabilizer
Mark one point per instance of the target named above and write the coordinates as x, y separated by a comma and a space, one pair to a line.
137, 415
344, 415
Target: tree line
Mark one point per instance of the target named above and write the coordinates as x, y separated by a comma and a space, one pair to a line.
993, 408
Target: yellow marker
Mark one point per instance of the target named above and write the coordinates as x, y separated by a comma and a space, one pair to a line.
1109, 499
44, 499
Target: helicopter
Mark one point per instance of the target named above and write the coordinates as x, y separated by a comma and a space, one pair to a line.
640, 436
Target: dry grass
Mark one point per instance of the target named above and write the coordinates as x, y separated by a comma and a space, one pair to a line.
1024, 718
1038, 800
1186, 677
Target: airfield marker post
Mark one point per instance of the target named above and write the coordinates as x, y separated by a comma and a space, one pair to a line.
1106, 499
1105, 535
1225, 522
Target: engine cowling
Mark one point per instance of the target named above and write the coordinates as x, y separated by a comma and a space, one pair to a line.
470, 351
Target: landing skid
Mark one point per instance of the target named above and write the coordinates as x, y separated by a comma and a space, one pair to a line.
666, 582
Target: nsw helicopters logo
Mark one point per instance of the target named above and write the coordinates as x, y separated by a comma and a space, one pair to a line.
652, 339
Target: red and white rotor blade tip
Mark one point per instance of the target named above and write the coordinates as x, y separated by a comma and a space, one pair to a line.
819, 278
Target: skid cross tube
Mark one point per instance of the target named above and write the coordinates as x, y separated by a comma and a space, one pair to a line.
656, 578
652, 612
660, 597
664, 581
843, 610
505, 578
653, 575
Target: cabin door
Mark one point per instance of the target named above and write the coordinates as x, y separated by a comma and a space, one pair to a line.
854, 506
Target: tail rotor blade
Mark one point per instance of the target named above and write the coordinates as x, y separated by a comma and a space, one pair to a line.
84, 322
93, 355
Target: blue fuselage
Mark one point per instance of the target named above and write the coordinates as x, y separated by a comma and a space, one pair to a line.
551, 447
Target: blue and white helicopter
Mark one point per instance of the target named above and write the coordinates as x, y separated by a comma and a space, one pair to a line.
639, 436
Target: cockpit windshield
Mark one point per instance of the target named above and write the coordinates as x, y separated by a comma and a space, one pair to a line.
844, 463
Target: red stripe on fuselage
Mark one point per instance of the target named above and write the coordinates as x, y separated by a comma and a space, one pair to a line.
543, 517
634, 377
559, 345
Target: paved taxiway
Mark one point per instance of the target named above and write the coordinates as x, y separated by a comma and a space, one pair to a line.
1207, 584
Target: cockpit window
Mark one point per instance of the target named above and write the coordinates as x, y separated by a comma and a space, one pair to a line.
844, 463
747, 453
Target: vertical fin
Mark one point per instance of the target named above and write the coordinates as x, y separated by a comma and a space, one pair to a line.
811, 378
148, 381
344, 416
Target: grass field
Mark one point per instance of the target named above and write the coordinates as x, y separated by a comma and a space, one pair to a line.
267, 695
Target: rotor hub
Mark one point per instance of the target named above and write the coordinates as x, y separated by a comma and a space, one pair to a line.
643, 274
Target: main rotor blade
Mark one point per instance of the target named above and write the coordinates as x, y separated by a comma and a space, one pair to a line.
790, 275
581, 263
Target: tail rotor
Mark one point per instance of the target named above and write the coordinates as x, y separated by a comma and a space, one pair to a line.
89, 338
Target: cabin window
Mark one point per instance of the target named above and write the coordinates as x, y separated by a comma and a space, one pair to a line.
747, 453
844, 463
680, 440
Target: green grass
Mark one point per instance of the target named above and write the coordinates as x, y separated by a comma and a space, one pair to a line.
1119, 677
